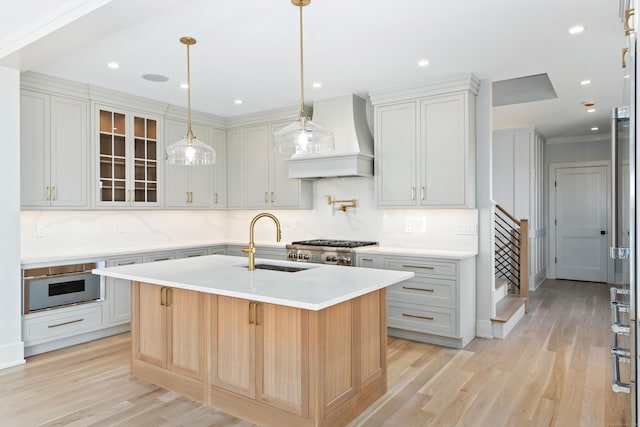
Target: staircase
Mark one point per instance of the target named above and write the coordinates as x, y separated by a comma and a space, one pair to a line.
511, 289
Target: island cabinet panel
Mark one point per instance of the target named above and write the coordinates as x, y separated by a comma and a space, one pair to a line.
337, 347
281, 367
168, 338
259, 352
233, 342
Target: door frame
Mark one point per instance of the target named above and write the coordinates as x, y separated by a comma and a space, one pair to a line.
553, 167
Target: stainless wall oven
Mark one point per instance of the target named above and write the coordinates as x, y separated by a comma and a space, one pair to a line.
53, 287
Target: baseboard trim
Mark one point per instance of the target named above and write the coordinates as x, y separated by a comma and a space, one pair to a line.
12, 355
484, 329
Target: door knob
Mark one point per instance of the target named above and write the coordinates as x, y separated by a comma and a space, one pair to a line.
603, 232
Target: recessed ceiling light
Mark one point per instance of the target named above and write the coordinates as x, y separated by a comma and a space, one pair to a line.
317, 85
423, 63
577, 29
238, 101
158, 78
594, 128
591, 110
113, 65
184, 86
585, 82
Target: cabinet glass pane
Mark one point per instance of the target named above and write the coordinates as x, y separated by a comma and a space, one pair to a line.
151, 172
151, 129
119, 124
119, 147
139, 127
106, 121
106, 144
139, 148
106, 167
151, 150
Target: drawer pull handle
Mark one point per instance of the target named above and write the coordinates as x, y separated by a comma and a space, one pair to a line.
65, 323
368, 259
426, 267
417, 317
162, 259
416, 289
120, 264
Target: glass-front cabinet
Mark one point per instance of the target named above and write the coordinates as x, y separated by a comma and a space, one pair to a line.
128, 160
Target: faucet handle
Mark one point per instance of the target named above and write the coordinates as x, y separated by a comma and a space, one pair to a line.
249, 250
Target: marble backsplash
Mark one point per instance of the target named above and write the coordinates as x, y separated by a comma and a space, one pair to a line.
45, 233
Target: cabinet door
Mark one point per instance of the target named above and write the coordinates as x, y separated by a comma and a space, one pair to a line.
151, 344
69, 152
186, 334
285, 192
145, 155
233, 333
119, 292
281, 362
201, 183
176, 177
112, 157
235, 169
219, 199
396, 155
35, 190
443, 141
255, 141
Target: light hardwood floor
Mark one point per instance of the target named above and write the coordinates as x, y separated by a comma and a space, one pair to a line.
553, 369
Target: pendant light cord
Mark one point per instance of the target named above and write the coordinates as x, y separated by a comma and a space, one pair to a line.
302, 113
189, 131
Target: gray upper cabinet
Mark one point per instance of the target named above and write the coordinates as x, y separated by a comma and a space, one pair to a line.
425, 145
219, 140
54, 151
129, 158
188, 186
257, 177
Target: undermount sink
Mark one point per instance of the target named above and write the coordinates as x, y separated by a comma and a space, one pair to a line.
284, 268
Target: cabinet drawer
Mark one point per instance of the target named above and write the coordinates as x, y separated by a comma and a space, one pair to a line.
415, 317
440, 292
421, 266
368, 261
52, 326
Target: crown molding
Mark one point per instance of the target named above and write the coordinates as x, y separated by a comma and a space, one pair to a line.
439, 85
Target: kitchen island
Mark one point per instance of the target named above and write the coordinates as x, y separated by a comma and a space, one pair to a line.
293, 344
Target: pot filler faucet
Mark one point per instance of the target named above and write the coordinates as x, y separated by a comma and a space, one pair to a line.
251, 249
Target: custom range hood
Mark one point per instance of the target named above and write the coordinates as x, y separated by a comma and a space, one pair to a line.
346, 117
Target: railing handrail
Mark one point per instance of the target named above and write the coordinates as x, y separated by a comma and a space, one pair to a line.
511, 217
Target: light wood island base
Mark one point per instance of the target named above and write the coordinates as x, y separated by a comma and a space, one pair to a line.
269, 364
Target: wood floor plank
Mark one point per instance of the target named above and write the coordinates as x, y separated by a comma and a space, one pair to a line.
552, 370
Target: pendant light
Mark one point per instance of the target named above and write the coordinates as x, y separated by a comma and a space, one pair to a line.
303, 136
190, 151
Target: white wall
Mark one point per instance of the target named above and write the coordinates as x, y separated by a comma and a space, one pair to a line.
81, 232
11, 346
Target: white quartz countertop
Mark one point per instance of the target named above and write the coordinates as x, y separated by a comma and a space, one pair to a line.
316, 287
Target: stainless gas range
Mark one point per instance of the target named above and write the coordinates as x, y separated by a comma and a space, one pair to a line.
321, 251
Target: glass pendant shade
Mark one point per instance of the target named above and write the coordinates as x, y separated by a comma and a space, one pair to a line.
190, 152
303, 137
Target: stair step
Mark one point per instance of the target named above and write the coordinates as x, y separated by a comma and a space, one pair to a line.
507, 307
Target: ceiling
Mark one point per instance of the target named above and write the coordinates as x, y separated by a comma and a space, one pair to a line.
248, 50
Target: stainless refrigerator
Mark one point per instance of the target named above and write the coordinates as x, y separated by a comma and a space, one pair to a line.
624, 302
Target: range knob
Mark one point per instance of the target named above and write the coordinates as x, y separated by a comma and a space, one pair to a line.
331, 258
305, 256
345, 260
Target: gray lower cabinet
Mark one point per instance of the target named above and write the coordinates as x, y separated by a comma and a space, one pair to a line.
436, 306
118, 292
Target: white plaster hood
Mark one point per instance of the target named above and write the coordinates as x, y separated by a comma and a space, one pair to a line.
346, 117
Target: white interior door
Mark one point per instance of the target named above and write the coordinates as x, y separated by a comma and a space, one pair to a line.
581, 196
